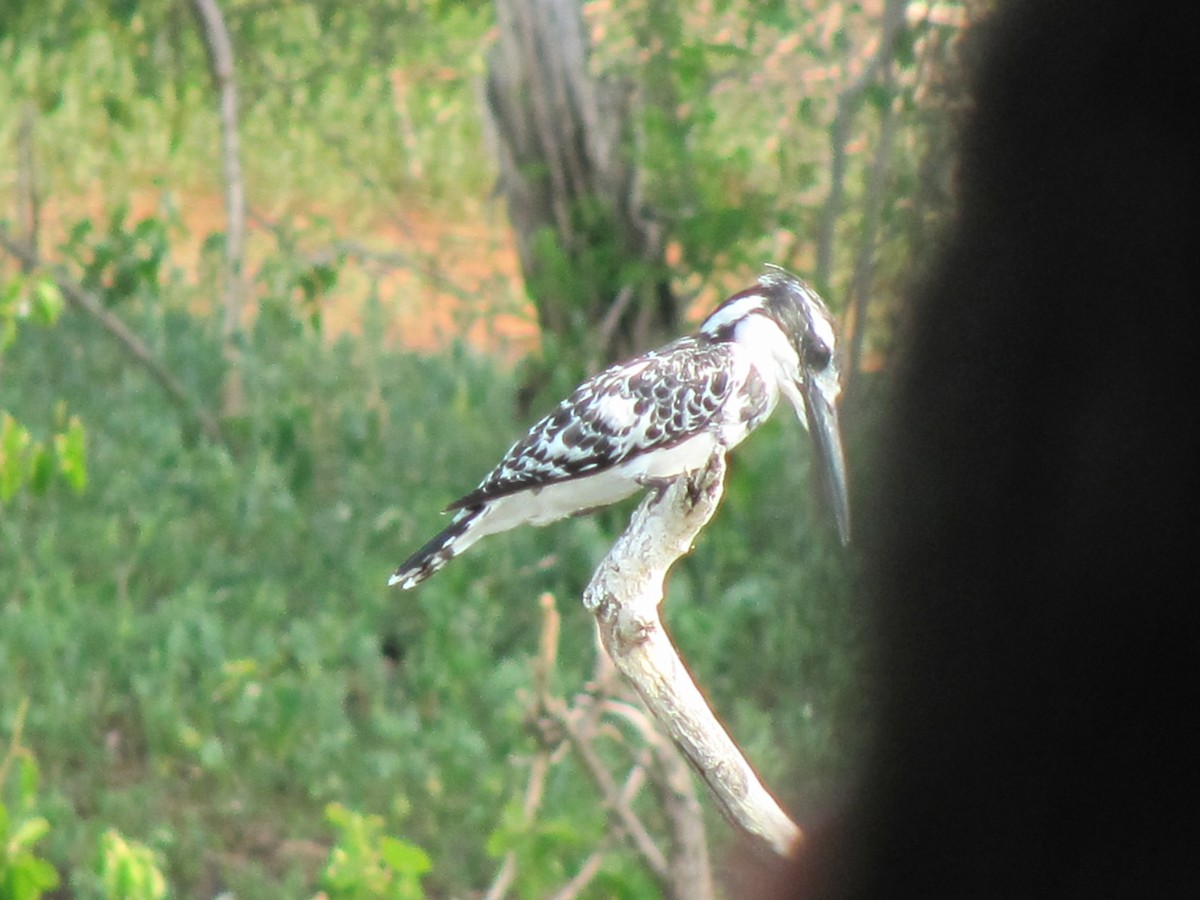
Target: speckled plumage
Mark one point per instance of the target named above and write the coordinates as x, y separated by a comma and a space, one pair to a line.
654, 417
657, 400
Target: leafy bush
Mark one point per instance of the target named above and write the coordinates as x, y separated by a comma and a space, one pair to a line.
129, 870
23, 874
366, 864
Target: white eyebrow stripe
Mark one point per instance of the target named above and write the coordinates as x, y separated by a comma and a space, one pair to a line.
823, 328
731, 312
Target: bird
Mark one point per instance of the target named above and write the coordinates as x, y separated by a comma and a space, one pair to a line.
661, 415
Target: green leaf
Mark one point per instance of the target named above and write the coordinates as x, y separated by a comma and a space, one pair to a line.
47, 301
30, 781
405, 858
28, 833
338, 815
129, 869
14, 442
27, 878
40, 468
71, 449
10, 294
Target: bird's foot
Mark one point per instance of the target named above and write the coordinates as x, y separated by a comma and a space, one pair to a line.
693, 483
656, 484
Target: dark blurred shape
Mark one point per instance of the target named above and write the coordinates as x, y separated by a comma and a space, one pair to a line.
1033, 554
393, 649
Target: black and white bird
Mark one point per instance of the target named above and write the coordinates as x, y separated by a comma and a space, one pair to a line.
661, 415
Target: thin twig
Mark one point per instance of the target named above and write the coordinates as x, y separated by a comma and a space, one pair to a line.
691, 872
539, 767
15, 749
591, 866
608, 325
589, 870
612, 796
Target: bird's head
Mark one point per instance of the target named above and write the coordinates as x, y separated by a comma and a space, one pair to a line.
788, 328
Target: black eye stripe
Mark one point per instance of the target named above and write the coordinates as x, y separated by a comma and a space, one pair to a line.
816, 353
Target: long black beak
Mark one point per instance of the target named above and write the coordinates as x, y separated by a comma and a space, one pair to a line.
822, 416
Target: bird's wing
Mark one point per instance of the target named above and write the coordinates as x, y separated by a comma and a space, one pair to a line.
653, 401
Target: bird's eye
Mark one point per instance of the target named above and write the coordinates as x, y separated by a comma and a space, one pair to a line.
816, 353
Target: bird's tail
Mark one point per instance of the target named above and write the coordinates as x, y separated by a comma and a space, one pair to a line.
440, 549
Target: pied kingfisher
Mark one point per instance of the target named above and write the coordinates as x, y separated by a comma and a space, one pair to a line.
661, 415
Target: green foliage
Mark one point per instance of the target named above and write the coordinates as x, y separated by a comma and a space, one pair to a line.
366, 864
221, 624
129, 870
24, 875
125, 260
547, 849
25, 460
129, 84
26, 297
550, 849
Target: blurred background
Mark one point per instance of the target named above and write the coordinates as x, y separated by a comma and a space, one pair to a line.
279, 280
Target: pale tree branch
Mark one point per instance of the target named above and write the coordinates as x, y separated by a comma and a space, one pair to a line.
219, 48
624, 595
90, 305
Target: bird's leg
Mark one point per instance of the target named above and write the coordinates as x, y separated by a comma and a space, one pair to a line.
709, 479
698, 481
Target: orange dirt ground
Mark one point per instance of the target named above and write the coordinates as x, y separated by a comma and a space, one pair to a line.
439, 278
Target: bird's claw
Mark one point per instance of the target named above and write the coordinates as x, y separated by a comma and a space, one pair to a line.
656, 484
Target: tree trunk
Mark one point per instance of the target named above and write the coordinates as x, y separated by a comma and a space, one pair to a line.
592, 259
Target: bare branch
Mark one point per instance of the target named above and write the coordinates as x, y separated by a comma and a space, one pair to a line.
691, 873
612, 797
848, 102
539, 767
624, 595
588, 871
89, 304
591, 866
547, 645
29, 200
220, 57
